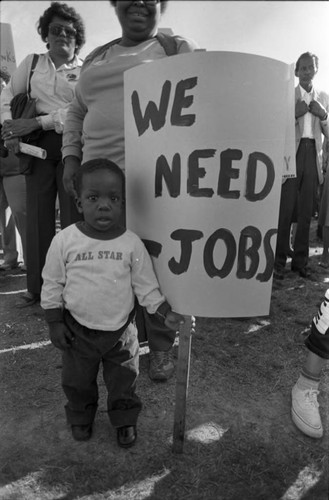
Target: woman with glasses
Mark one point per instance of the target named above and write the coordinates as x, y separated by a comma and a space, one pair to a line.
95, 122
53, 84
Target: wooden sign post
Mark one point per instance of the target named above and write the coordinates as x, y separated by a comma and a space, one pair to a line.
182, 380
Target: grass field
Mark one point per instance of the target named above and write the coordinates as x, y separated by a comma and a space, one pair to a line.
240, 443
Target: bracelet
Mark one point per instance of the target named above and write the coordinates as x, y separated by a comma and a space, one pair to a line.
324, 118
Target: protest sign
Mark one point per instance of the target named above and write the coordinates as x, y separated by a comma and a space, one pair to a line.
289, 164
205, 138
8, 59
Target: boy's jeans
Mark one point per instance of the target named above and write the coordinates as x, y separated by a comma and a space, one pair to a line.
119, 354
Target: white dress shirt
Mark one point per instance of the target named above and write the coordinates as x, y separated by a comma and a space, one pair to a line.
308, 130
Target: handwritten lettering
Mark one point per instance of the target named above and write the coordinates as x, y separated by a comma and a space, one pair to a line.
172, 176
287, 161
245, 254
8, 57
156, 115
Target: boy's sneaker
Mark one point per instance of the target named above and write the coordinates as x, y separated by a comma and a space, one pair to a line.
81, 432
278, 273
161, 365
305, 411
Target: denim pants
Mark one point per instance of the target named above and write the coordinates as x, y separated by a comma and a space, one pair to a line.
153, 330
118, 352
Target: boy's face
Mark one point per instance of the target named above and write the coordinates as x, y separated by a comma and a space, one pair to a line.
101, 200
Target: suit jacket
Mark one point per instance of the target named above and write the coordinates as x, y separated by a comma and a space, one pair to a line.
319, 127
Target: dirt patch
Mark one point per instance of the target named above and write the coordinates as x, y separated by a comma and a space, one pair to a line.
240, 442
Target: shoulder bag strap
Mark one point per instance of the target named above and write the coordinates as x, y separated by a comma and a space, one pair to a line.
33, 65
98, 52
168, 43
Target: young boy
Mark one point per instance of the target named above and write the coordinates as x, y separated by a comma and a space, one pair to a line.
305, 408
93, 271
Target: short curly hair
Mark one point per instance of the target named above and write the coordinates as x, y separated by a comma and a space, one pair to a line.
98, 164
162, 2
65, 12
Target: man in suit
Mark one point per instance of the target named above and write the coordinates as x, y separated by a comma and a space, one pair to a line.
299, 194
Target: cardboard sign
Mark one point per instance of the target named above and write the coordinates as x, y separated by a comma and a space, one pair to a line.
8, 59
205, 138
289, 162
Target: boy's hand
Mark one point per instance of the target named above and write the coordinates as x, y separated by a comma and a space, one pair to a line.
173, 320
60, 336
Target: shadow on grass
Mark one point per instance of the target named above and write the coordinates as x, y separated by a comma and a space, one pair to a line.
238, 466
235, 448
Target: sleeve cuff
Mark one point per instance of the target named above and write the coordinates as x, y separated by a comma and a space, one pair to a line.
71, 151
163, 310
54, 315
6, 115
46, 122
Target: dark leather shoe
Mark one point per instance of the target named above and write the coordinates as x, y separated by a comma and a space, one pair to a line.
290, 253
8, 267
278, 274
29, 299
305, 272
81, 432
126, 436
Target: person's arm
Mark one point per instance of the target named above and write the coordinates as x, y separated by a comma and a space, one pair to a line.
319, 107
171, 319
325, 126
53, 276
301, 108
72, 145
73, 126
324, 123
185, 45
53, 121
146, 288
71, 167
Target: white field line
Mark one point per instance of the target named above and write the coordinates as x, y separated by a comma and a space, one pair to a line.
44, 343
256, 327
14, 292
37, 345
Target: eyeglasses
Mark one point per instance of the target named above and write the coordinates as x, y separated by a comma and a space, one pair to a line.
151, 2
57, 29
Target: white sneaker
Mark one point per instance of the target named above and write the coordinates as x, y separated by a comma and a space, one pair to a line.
305, 411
